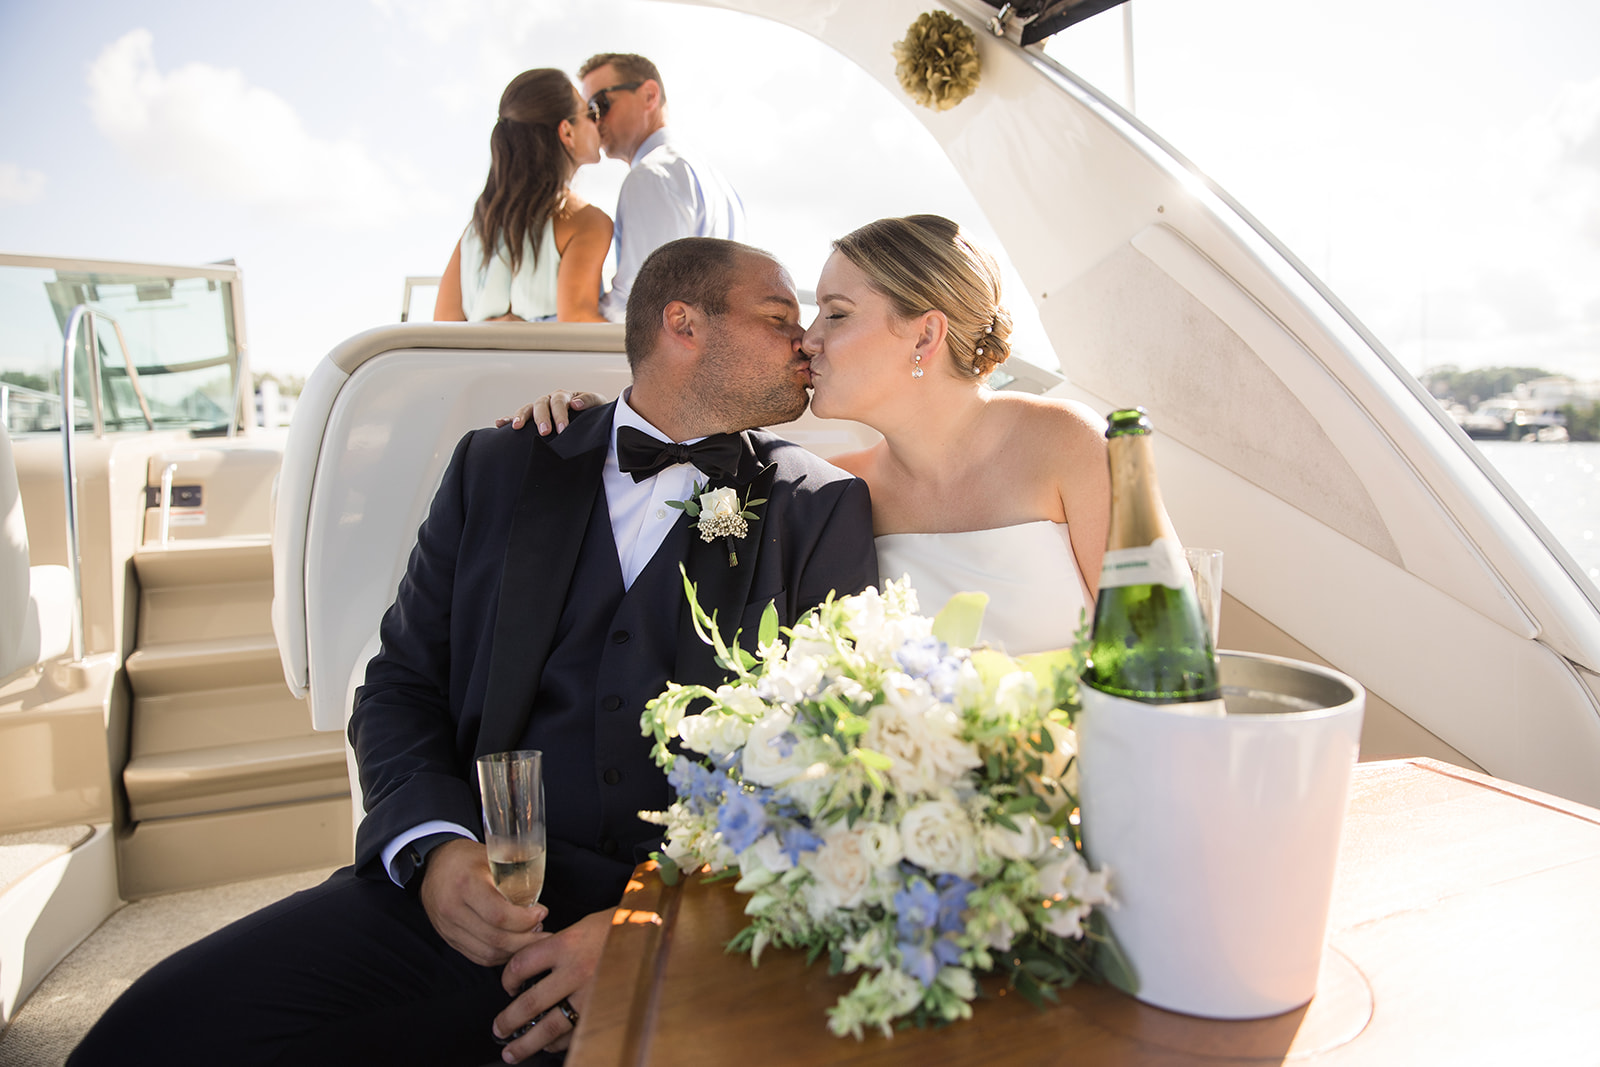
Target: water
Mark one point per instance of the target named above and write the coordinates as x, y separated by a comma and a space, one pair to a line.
1561, 483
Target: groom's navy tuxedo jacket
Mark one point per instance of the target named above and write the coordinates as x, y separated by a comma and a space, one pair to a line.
511, 629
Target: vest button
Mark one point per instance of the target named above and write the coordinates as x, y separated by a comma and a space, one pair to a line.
620, 637
611, 703
609, 846
612, 776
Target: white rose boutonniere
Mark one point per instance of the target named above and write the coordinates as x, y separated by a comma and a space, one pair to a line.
719, 513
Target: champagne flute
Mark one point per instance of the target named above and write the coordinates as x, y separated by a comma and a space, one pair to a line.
512, 784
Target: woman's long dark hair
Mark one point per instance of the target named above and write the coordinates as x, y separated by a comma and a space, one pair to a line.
529, 167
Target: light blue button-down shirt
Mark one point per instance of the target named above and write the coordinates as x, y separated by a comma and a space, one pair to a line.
667, 195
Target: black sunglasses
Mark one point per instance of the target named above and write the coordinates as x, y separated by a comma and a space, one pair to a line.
600, 102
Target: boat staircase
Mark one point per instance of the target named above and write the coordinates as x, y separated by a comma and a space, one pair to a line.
225, 779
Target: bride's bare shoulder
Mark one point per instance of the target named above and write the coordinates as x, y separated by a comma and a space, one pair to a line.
856, 463
1066, 423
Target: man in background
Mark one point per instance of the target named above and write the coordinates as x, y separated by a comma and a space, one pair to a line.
669, 192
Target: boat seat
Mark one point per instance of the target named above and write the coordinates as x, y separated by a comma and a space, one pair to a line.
35, 602
374, 427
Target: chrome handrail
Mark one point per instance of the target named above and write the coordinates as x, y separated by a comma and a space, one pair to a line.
86, 314
69, 473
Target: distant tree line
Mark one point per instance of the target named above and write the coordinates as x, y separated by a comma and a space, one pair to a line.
1583, 424
288, 384
1472, 387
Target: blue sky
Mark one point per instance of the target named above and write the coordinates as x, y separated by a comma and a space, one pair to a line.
1438, 163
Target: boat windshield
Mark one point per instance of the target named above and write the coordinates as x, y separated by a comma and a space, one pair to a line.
175, 326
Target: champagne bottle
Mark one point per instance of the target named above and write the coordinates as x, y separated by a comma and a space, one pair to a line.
1149, 641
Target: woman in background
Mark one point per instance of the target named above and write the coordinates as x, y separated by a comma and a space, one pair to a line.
534, 250
975, 489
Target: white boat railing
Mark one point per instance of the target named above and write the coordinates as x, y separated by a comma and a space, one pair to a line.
84, 315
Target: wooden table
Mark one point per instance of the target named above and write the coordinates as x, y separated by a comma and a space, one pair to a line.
1465, 929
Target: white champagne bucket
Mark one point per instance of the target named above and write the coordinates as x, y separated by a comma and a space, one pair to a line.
1222, 833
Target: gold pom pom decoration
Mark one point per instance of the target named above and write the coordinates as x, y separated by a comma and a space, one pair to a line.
937, 63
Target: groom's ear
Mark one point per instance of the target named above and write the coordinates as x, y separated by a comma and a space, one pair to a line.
682, 326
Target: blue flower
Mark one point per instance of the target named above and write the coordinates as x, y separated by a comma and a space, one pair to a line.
943, 676
953, 893
796, 839
697, 785
916, 909
920, 655
947, 951
784, 743
918, 961
741, 820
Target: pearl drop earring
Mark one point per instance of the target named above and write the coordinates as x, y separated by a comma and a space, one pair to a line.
916, 372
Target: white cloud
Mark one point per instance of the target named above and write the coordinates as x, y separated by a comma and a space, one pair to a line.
241, 143
19, 186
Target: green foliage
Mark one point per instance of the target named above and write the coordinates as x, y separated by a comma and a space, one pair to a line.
1469, 387
36, 382
1583, 424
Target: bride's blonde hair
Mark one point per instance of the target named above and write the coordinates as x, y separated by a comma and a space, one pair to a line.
923, 263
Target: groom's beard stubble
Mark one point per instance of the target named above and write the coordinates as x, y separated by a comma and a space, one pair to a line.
742, 395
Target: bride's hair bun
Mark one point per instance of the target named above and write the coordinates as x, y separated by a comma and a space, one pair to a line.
924, 263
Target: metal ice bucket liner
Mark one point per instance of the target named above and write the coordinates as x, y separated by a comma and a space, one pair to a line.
1222, 833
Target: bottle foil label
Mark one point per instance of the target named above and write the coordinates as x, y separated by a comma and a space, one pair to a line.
1158, 563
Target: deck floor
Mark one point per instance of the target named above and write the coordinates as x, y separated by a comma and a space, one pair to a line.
133, 939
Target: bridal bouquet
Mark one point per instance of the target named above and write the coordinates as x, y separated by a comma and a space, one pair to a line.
892, 799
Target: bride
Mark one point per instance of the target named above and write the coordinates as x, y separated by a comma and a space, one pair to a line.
972, 489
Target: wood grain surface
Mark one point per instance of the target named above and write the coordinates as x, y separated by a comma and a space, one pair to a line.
1465, 929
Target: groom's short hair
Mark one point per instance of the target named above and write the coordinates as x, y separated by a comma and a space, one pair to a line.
697, 270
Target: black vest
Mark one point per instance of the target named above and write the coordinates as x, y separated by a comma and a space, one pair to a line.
613, 651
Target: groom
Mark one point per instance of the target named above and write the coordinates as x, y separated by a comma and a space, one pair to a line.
541, 608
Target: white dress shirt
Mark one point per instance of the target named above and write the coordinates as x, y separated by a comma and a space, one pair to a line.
666, 196
640, 520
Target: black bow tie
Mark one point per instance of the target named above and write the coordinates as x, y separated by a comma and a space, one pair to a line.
642, 456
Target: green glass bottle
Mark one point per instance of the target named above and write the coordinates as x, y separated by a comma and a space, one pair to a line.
1149, 642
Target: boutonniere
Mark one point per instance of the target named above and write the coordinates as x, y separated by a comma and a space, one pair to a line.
719, 513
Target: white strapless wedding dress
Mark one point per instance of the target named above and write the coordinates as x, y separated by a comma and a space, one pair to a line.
1035, 592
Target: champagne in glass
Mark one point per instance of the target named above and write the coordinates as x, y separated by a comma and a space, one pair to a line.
512, 784
1150, 643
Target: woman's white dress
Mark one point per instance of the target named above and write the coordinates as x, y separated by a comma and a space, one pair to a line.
489, 291
1036, 597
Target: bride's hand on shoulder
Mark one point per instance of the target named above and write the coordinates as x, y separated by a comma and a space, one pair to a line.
552, 409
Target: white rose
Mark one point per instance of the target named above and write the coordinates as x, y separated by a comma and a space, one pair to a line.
938, 837
719, 503
882, 844
919, 735
841, 868
764, 761
1029, 841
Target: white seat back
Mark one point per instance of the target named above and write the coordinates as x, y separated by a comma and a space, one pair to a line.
371, 435
35, 602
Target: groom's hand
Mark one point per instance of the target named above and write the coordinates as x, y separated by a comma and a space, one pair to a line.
466, 909
567, 962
